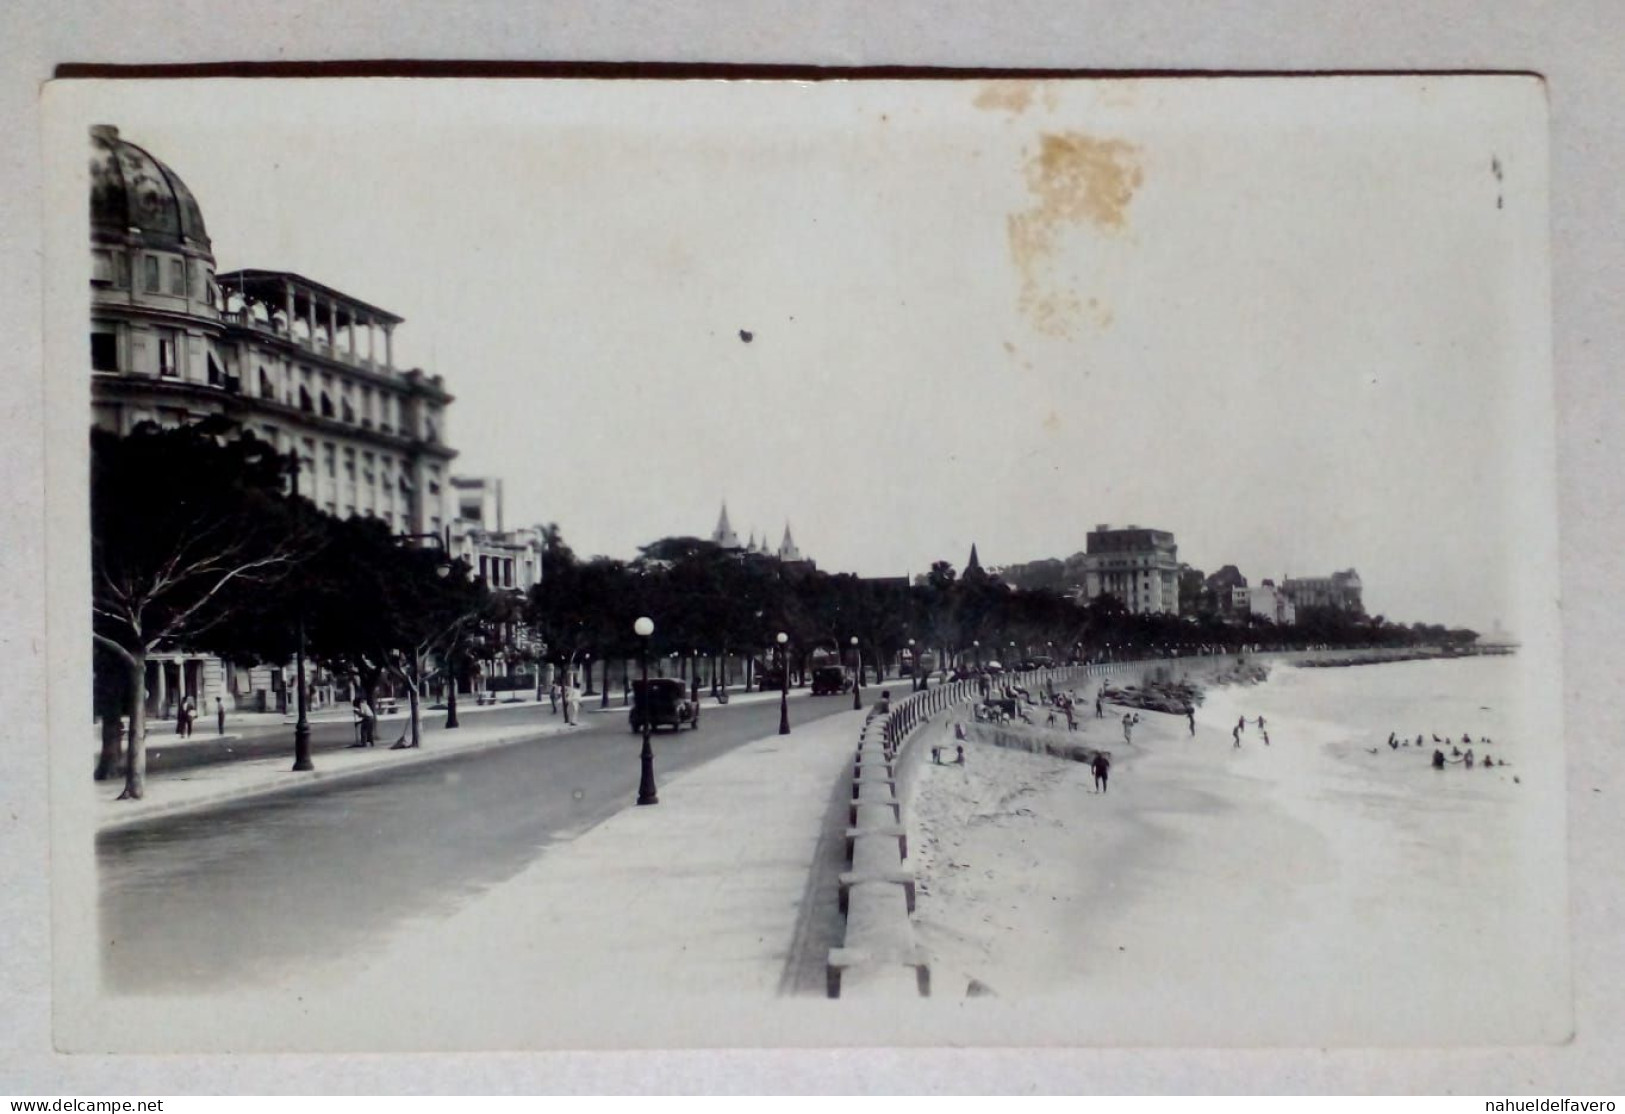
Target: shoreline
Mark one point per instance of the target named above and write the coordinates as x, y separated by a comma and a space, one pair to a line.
1328, 894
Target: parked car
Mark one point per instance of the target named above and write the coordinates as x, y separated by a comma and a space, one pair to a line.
830, 679
667, 703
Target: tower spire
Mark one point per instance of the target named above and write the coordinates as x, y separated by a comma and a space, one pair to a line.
724, 534
787, 548
974, 563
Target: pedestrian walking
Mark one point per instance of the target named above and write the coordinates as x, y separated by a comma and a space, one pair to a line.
1190, 718
1100, 708
959, 756
1235, 734
188, 716
220, 716
1102, 768
1261, 723
365, 721
572, 705
1071, 718
1128, 729
1241, 724
553, 696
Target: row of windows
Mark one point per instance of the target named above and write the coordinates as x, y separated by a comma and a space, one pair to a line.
104, 356
497, 571
380, 410
184, 277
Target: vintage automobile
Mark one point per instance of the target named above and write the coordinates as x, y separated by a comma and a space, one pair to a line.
666, 700
830, 679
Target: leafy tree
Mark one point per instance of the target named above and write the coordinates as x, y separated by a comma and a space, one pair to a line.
372, 607
167, 571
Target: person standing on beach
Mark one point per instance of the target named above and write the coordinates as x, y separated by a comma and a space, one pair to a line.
1190, 717
1102, 767
1235, 734
1100, 709
1241, 725
1128, 729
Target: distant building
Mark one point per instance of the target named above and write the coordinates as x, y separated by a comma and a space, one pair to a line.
1194, 597
1340, 591
1047, 574
1138, 566
1224, 585
1266, 600
507, 560
787, 553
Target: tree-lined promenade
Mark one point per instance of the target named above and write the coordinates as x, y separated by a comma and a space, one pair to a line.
231, 563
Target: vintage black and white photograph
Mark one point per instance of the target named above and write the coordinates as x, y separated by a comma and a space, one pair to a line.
671, 563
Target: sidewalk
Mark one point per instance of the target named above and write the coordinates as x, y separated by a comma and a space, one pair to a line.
206, 786
161, 732
725, 888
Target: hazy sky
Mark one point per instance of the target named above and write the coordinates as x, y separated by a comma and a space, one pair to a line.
1301, 324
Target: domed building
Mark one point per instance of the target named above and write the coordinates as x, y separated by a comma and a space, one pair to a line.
300, 364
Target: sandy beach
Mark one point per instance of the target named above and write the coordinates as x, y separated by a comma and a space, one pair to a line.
1304, 892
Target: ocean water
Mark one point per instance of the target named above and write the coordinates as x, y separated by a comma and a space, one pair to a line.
1482, 696
1448, 904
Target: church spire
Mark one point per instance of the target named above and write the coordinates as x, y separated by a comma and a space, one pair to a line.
787, 548
974, 563
724, 534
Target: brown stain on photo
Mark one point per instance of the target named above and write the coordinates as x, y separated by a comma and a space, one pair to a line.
1052, 424
1077, 181
1014, 97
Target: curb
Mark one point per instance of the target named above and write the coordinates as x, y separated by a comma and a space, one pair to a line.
304, 780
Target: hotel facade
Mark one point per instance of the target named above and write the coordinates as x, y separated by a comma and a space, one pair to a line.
299, 364
1138, 566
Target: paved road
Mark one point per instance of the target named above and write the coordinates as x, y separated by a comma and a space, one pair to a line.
233, 895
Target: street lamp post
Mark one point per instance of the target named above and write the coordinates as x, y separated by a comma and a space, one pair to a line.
976, 645
443, 570
451, 689
301, 727
643, 628
857, 674
784, 683
694, 676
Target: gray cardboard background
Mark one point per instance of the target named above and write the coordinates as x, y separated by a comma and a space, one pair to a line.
1575, 45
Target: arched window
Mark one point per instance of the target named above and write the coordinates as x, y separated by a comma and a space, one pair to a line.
304, 400
327, 405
